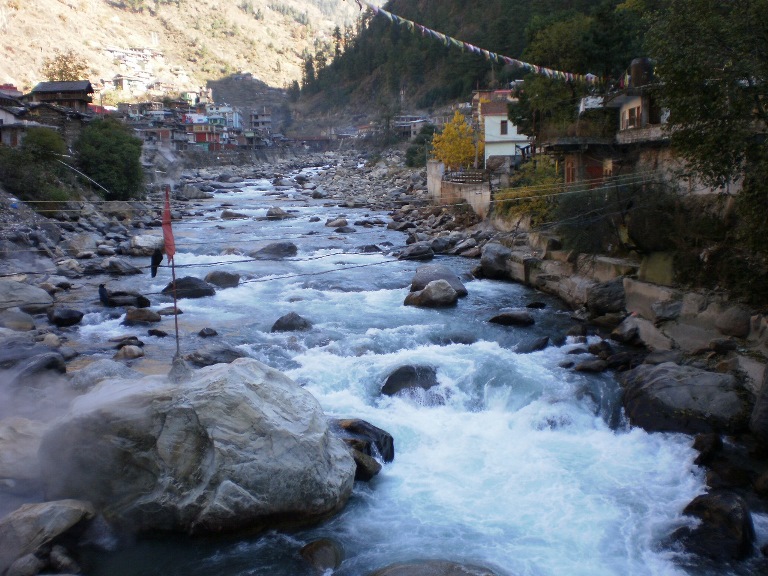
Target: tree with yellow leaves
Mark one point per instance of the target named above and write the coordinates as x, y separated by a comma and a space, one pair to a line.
65, 67
458, 145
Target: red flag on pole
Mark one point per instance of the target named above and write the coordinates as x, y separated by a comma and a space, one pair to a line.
170, 244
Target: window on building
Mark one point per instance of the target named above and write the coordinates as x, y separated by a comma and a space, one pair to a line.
504, 128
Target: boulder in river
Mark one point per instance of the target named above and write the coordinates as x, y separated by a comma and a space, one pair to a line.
725, 530
219, 353
238, 447
436, 294
276, 213
429, 272
493, 261
120, 298
223, 279
513, 317
63, 317
671, 398
190, 287
275, 251
291, 322
406, 377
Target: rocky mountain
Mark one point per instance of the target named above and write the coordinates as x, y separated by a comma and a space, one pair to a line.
177, 44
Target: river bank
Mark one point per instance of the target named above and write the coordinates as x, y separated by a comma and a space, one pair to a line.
101, 243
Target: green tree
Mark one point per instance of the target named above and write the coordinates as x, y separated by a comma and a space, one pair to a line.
65, 67
458, 145
43, 145
108, 152
712, 61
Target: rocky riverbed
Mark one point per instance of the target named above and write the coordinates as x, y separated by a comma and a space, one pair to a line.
50, 271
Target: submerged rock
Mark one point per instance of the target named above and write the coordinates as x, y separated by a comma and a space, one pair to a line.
432, 568
274, 251
237, 447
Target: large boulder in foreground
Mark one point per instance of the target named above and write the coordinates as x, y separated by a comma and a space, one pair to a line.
671, 398
239, 447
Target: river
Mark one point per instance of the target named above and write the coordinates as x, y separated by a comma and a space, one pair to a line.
514, 462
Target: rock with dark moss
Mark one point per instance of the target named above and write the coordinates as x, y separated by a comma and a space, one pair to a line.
725, 530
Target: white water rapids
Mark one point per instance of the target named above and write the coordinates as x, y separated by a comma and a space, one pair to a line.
523, 466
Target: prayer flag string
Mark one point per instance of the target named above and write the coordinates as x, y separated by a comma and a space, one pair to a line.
488, 55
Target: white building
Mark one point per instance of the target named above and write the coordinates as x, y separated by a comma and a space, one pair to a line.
501, 137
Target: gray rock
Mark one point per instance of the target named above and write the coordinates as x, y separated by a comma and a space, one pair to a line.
239, 447
405, 377
34, 526
671, 398
336, 222
231, 215
735, 321
291, 322
323, 555
190, 287
493, 260
30, 299
207, 333
19, 442
366, 437
438, 293
275, 251
276, 213
219, 353
223, 279
129, 352
119, 267
513, 317
17, 320
417, 251
140, 316
429, 272
606, 297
